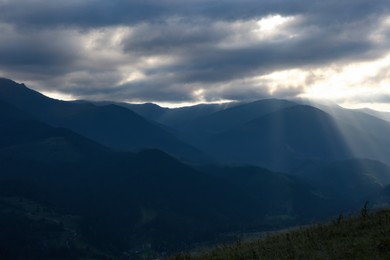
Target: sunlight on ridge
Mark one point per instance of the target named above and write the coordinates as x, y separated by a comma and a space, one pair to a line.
383, 107
187, 104
59, 95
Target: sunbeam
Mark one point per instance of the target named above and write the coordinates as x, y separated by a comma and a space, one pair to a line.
360, 131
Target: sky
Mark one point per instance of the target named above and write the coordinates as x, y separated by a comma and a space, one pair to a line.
175, 52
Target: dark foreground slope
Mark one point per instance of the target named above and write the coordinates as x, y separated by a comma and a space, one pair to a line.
128, 202
363, 237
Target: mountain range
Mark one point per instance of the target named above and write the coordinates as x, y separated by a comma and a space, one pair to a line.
107, 180
276, 133
110, 125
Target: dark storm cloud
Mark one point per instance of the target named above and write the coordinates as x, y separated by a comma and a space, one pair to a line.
201, 60
163, 91
36, 50
95, 13
80, 14
177, 35
90, 48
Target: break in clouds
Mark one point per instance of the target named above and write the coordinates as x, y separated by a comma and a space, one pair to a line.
199, 51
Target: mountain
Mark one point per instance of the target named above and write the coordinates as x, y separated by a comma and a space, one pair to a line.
202, 128
119, 200
348, 182
286, 135
235, 116
60, 185
366, 135
283, 198
379, 114
281, 140
77, 182
149, 111
111, 125
173, 117
127, 201
23, 136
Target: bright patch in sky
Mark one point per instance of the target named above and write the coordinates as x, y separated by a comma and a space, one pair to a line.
58, 95
272, 22
354, 85
187, 104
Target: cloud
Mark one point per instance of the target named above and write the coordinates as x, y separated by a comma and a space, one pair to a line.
95, 13
36, 50
195, 50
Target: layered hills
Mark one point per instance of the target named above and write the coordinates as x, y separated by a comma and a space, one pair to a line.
111, 125
96, 180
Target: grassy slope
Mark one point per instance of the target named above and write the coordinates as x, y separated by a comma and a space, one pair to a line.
364, 237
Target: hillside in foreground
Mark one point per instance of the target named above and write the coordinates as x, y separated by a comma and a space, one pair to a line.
366, 236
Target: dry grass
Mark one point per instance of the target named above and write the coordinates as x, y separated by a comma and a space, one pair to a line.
364, 237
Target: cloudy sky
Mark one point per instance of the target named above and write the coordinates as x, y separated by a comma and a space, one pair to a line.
179, 52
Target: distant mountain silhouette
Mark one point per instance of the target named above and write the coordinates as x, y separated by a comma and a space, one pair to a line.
174, 117
281, 140
110, 125
356, 133
202, 128
382, 115
235, 116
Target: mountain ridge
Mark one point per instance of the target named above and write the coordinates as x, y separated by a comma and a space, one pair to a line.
111, 125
